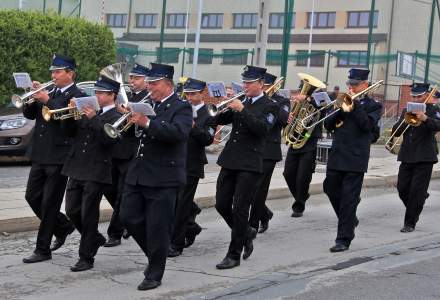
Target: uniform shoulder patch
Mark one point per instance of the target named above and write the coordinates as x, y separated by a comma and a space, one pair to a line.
286, 108
437, 115
211, 131
270, 118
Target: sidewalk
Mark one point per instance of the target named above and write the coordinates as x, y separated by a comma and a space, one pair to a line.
16, 215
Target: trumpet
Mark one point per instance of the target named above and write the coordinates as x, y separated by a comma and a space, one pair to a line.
122, 124
19, 100
61, 113
221, 107
393, 143
344, 99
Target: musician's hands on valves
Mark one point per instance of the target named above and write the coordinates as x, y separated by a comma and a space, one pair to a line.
41, 96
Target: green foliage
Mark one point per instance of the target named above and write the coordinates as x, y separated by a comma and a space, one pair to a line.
28, 41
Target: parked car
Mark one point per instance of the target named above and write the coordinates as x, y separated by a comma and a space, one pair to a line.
16, 131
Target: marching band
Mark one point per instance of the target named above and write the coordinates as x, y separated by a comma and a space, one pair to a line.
149, 172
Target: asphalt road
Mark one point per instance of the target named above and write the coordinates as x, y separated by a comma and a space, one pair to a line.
290, 261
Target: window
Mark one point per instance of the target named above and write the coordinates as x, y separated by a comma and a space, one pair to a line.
317, 58
360, 19
212, 20
205, 56
322, 20
273, 57
169, 55
235, 56
245, 20
116, 20
146, 20
176, 20
276, 20
352, 58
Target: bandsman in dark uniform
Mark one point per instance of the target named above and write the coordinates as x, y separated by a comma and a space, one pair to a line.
156, 173
300, 165
418, 153
348, 159
241, 162
260, 214
123, 152
46, 185
89, 166
200, 136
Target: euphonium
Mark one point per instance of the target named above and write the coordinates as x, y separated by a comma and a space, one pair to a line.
295, 134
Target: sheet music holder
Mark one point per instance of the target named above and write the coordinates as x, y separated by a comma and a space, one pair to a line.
22, 80
143, 108
237, 87
82, 102
321, 99
216, 89
414, 107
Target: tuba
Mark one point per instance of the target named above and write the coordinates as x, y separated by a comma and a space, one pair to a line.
114, 72
295, 134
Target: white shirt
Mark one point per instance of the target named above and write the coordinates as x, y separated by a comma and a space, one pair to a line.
107, 108
255, 99
198, 106
65, 88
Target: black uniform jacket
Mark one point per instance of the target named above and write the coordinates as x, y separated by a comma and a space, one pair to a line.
50, 143
272, 149
126, 147
250, 127
419, 142
350, 150
161, 156
89, 159
200, 136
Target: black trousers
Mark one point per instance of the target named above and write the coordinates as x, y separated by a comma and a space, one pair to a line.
44, 193
412, 184
298, 171
148, 214
235, 190
113, 193
259, 210
344, 189
82, 207
184, 210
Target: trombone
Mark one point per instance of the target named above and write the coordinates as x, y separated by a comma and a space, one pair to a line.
61, 113
344, 98
19, 100
394, 141
122, 124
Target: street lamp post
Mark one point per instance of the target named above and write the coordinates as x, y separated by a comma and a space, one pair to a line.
162, 28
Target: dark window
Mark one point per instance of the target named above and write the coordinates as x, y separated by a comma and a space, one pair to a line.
322, 19
146, 20
352, 58
276, 20
169, 55
205, 56
315, 60
235, 56
212, 20
176, 20
245, 20
273, 57
116, 20
360, 19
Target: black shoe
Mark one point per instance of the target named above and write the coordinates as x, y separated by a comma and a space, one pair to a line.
263, 227
296, 214
339, 248
228, 263
59, 241
407, 228
191, 237
112, 242
82, 265
148, 284
126, 234
173, 252
35, 257
249, 245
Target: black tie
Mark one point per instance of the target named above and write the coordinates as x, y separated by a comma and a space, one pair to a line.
156, 106
100, 112
57, 93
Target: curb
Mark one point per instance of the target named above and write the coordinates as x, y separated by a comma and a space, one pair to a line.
31, 223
